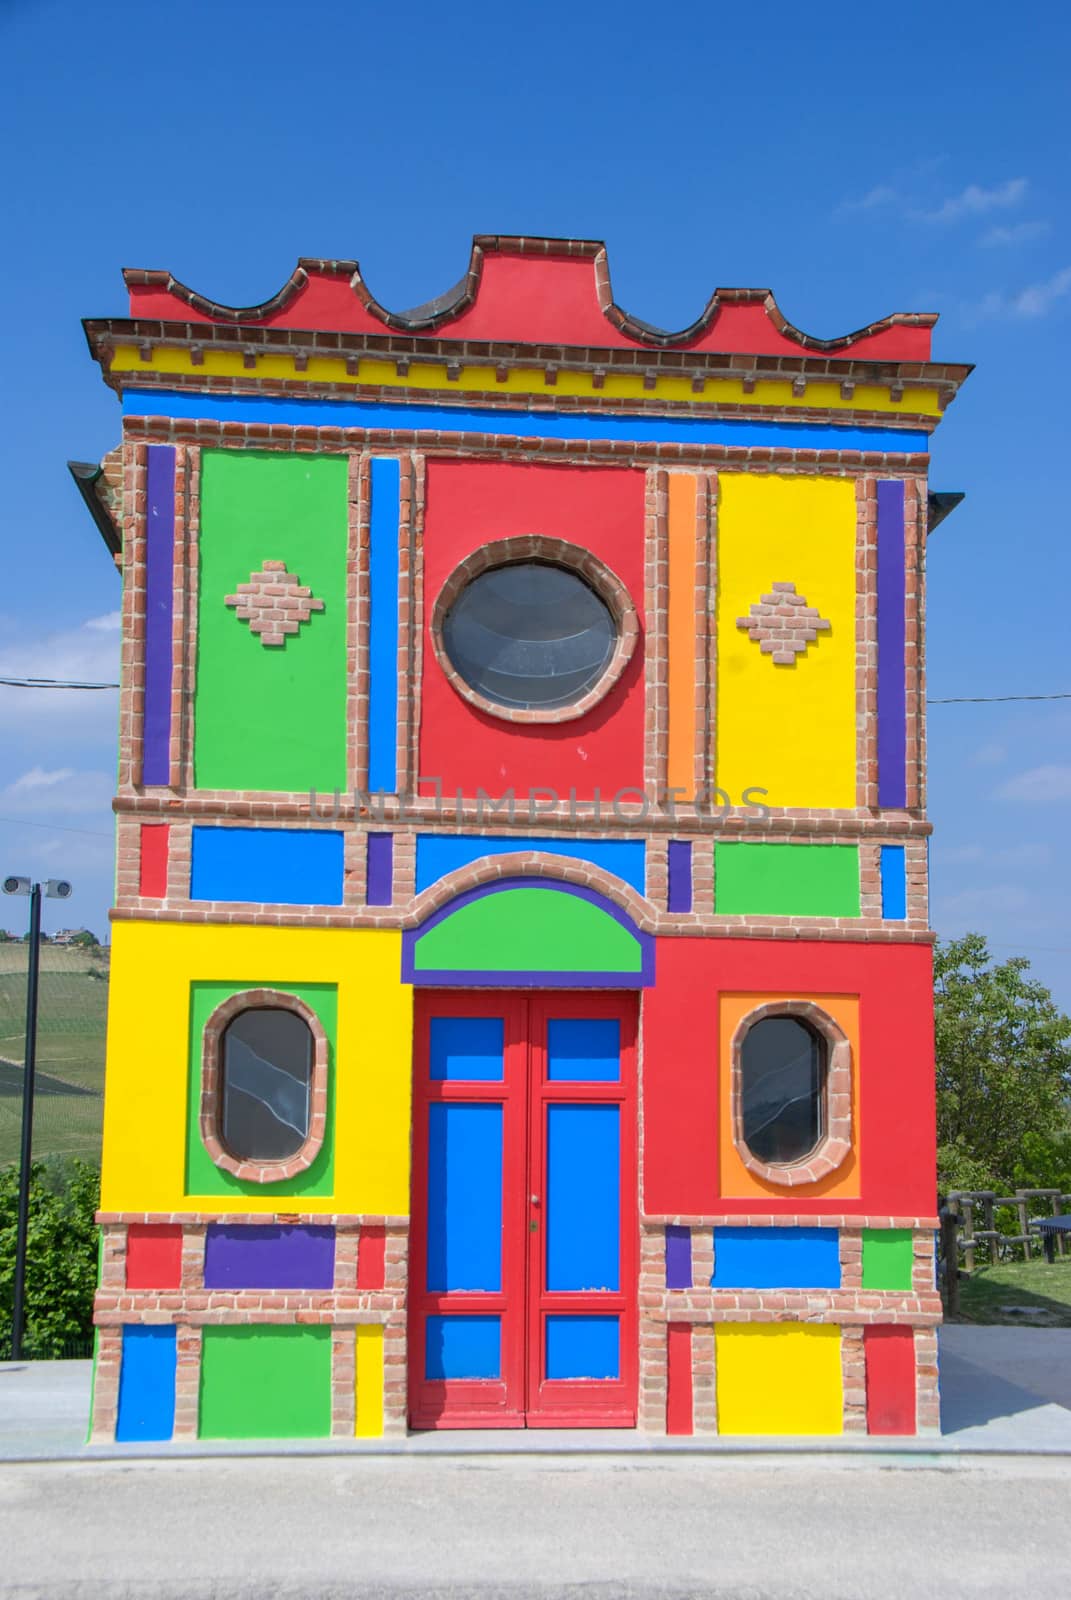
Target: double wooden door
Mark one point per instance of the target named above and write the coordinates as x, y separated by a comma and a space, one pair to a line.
523, 1246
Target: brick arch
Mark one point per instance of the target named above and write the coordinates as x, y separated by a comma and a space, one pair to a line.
529, 864
540, 547
836, 1141
211, 1086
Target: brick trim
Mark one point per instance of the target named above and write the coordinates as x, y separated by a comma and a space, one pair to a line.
836, 1140
529, 864
560, 553
211, 1087
326, 440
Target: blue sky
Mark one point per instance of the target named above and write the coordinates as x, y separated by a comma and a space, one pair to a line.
856, 160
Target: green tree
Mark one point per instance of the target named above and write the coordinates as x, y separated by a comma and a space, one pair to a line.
61, 1256
1003, 1069
84, 937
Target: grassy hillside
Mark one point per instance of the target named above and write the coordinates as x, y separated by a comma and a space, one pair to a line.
70, 1050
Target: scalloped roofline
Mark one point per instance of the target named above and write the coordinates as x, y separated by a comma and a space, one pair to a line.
728, 312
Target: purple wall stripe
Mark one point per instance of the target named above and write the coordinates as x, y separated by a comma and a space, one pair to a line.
268, 1256
379, 870
678, 1257
680, 875
159, 601
892, 687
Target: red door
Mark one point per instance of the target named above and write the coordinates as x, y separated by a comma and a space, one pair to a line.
523, 1250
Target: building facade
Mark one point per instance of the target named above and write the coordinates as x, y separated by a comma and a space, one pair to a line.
521, 1005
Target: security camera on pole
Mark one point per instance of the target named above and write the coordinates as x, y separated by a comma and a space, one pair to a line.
54, 889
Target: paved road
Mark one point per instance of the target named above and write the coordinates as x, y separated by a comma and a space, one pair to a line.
309, 1529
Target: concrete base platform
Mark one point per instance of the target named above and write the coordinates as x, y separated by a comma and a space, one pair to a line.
1004, 1391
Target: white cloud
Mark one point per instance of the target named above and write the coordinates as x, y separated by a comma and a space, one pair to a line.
38, 778
87, 654
881, 197
989, 755
42, 793
975, 201
960, 854
1028, 853
997, 899
109, 623
1017, 233
1036, 300
1039, 786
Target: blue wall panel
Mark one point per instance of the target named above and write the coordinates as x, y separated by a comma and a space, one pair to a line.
467, 1049
274, 866
893, 881
583, 1197
584, 1050
583, 1347
519, 424
776, 1258
437, 854
463, 1347
383, 625
464, 1197
147, 1384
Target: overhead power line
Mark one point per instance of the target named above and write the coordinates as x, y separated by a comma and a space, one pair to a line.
53, 683
993, 699
951, 700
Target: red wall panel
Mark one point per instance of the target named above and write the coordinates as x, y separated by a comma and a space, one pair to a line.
469, 504
155, 840
896, 1115
153, 1256
371, 1258
679, 1021
890, 1380
679, 1378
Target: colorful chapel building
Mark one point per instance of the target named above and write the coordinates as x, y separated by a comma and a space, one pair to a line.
521, 1006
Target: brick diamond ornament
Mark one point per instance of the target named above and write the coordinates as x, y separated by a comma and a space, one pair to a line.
273, 603
782, 624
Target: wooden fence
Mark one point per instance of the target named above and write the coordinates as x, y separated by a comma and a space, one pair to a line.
963, 1209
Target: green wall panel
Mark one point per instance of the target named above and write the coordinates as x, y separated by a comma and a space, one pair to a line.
887, 1258
529, 930
271, 716
203, 1177
266, 1382
786, 880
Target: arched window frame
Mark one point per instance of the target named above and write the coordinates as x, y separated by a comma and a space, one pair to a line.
558, 553
212, 1087
835, 1142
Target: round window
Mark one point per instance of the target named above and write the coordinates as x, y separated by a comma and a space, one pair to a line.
530, 636
265, 1084
783, 1089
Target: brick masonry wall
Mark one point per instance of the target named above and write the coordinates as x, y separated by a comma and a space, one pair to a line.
408, 812
190, 1307
851, 1308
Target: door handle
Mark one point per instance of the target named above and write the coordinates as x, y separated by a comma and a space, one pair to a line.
534, 1198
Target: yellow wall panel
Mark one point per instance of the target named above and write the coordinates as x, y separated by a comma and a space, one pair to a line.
369, 1382
734, 1180
153, 966
788, 729
779, 1377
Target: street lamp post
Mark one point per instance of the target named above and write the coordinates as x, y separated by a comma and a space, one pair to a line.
57, 889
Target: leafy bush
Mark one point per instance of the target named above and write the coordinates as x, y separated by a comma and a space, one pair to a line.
61, 1257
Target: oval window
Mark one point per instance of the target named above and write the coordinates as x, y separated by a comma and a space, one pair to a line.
265, 1086
783, 1069
530, 635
